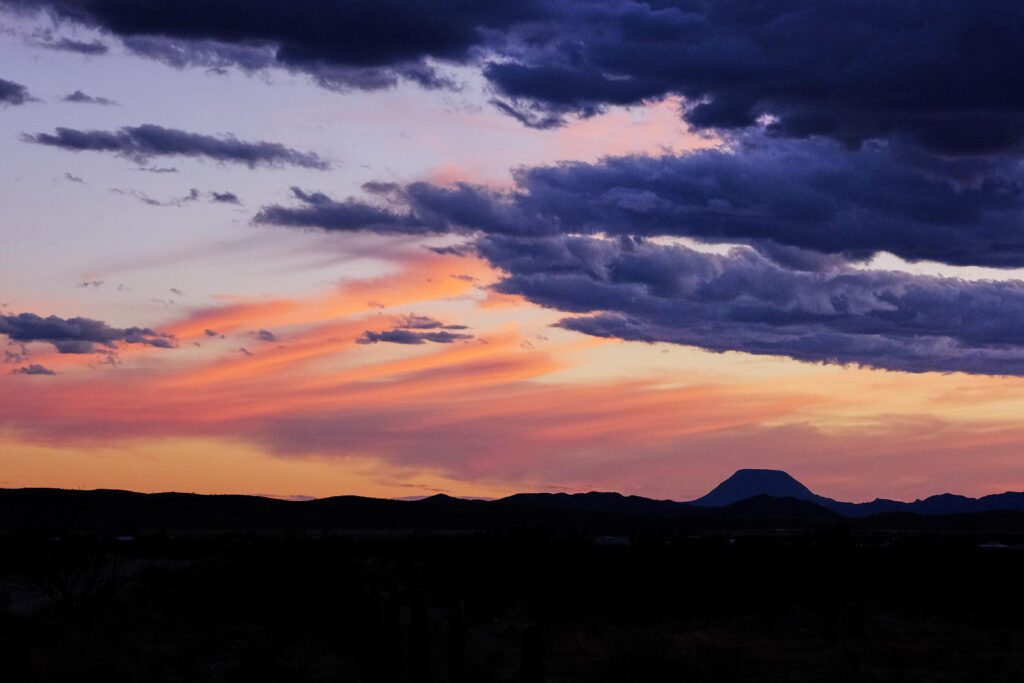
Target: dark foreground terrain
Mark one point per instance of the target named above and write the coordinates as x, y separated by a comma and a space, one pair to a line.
828, 603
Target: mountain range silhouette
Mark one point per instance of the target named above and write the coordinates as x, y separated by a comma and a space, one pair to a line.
750, 498
747, 483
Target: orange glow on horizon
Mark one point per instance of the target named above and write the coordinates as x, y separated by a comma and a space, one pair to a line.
513, 408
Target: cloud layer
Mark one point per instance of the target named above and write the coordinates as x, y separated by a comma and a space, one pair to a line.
578, 237
833, 153
744, 302
140, 143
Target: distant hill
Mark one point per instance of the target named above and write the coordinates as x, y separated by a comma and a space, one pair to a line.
787, 508
750, 498
606, 502
748, 483
56, 511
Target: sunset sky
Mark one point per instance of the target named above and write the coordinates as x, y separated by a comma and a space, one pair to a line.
398, 247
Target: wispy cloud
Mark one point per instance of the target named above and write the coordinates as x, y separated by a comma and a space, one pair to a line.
90, 48
141, 143
33, 369
404, 336
79, 97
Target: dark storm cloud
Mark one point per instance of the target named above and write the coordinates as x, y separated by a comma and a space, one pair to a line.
404, 336
77, 335
140, 143
360, 32
808, 195
80, 97
743, 302
13, 93
940, 74
362, 44
577, 238
809, 204
33, 369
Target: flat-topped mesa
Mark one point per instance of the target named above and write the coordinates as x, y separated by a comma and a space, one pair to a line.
748, 483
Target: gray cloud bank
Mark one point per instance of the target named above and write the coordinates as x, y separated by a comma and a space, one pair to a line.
744, 302
938, 74
808, 204
590, 240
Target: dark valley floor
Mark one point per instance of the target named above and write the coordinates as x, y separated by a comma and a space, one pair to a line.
806, 605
